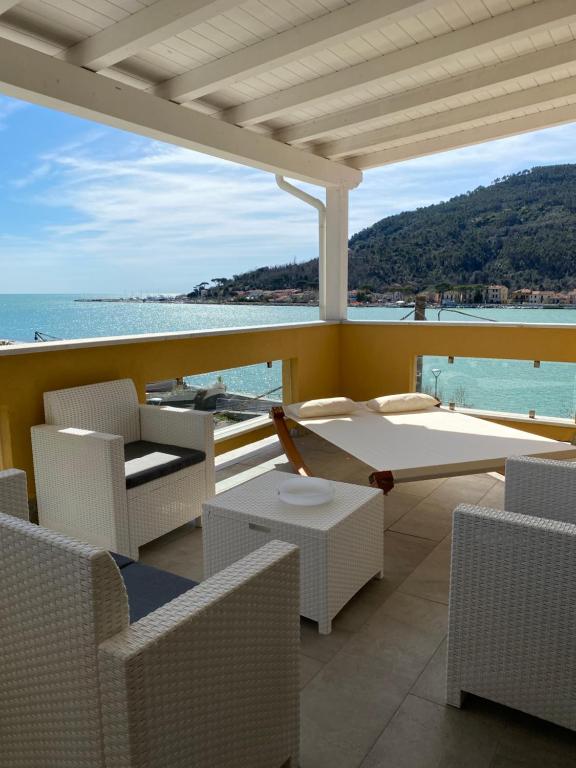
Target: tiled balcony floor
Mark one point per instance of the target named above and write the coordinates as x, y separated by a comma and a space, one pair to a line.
373, 690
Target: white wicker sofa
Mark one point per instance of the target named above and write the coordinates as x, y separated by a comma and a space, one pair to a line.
118, 474
209, 679
512, 626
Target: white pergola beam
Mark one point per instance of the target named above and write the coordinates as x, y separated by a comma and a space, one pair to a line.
143, 29
5, 5
539, 17
33, 76
467, 137
329, 29
500, 105
529, 64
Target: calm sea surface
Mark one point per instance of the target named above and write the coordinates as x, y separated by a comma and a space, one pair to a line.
491, 384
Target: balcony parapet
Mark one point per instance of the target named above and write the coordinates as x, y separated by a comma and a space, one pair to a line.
359, 359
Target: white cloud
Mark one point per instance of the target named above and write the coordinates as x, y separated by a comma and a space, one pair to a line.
427, 180
170, 214
120, 210
9, 107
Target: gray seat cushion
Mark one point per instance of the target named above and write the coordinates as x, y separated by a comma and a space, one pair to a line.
146, 461
149, 588
121, 560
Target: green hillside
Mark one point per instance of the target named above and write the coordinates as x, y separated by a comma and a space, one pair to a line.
520, 231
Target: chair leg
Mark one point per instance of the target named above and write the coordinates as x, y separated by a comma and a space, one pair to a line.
292, 762
454, 697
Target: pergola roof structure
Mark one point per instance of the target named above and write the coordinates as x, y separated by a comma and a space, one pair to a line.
316, 89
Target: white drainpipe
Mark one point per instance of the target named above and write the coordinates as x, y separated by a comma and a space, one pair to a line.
321, 208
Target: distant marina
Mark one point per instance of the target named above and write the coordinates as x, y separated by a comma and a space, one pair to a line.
456, 297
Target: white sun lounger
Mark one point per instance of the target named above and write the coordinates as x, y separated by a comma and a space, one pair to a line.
419, 445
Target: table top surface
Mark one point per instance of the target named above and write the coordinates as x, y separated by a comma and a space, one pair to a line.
258, 498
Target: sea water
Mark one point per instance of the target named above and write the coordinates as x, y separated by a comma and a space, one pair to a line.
501, 385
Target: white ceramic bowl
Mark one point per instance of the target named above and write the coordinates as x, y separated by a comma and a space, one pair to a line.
306, 491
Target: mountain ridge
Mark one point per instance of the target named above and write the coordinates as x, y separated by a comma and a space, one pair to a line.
519, 231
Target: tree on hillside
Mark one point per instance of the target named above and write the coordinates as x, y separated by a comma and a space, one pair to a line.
519, 231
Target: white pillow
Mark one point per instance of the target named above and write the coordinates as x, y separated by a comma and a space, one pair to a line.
409, 401
326, 406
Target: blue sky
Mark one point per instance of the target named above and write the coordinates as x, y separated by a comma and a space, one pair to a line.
86, 208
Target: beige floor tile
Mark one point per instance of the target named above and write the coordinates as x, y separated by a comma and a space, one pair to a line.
494, 498
351, 700
427, 735
316, 751
431, 579
309, 667
223, 473
429, 520
431, 684
402, 554
425, 615
179, 552
364, 604
262, 449
321, 647
245, 473
462, 490
396, 505
421, 488
398, 641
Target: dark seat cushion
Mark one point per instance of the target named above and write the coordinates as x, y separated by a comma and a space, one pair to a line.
121, 560
149, 588
146, 461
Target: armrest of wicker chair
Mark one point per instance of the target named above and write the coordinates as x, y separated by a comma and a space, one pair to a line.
81, 485
178, 426
211, 678
14, 493
541, 487
512, 624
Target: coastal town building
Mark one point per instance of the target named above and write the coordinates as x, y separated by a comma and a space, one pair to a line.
520, 296
496, 294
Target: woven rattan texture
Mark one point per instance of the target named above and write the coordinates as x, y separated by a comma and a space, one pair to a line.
512, 625
14, 493
165, 504
341, 543
541, 488
80, 476
59, 600
110, 407
211, 679
81, 487
259, 497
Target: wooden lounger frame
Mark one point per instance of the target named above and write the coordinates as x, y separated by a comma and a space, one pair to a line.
383, 479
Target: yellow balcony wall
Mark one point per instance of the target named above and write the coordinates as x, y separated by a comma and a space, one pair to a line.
380, 358
359, 360
310, 352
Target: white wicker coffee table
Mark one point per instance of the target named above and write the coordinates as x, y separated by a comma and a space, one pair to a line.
341, 542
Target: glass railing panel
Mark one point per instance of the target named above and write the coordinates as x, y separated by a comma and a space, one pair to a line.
512, 386
233, 395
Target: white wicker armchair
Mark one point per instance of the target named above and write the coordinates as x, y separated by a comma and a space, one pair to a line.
512, 626
208, 680
118, 474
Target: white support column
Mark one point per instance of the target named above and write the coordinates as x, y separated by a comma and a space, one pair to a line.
334, 279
